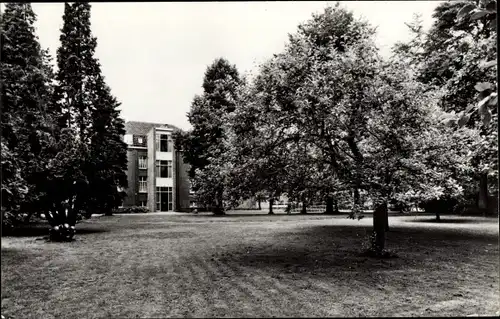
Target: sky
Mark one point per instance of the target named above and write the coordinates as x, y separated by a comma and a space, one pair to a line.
154, 54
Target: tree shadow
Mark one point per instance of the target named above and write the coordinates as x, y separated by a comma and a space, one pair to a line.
42, 229
164, 235
445, 220
266, 214
318, 250
323, 250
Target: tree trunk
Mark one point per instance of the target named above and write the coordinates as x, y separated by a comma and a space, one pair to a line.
329, 205
75, 210
271, 202
438, 216
258, 200
336, 206
387, 221
379, 224
356, 206
217, 209
50, 218
483, 194
28, 217
357, 198
304, 208
62, 227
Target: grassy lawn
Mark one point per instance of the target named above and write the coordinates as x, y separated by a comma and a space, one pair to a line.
132, 266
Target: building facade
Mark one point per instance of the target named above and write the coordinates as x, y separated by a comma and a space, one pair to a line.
157, 175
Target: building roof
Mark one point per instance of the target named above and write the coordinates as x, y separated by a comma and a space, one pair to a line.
142, 128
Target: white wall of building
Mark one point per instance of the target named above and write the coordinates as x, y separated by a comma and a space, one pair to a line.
164, 182
164, 156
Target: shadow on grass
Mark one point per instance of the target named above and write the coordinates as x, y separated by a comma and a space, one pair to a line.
265, 214
38, 230
164, 235
317, 250
328, 249
445, 220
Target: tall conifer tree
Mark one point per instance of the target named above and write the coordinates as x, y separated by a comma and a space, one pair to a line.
107, 174
86, 104
25, 122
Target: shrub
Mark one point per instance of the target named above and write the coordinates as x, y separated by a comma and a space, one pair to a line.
130, 210
9, 221
444, 205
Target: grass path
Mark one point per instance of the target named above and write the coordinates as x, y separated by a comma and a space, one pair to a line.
252, 266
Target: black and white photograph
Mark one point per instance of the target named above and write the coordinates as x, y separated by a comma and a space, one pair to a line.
249, 159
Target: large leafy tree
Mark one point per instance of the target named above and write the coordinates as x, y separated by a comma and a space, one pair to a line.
409, 156
280, 79
26, 115
358, 116
332, 108
261, 137
204, 145
458, 57
315, 93
304, 112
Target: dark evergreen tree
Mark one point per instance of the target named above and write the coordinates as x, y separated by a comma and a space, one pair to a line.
77, 69
86, 157
65, 183
25, 122
108, 152
86, 105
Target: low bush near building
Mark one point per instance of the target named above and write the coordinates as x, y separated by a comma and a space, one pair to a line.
131, 210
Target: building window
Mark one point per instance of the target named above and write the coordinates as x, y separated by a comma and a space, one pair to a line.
164, 169
128, 138
143, 163
164, 143
143, 203
164, 199
139, 140
170, 145
143, 184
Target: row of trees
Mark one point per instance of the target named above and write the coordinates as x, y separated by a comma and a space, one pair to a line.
62, 148
329, 115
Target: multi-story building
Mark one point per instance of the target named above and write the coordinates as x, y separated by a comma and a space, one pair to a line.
157, 175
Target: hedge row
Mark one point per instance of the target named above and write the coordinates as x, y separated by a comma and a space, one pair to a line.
130, 210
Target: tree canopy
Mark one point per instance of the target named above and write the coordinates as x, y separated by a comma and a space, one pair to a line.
330, 115
62, 149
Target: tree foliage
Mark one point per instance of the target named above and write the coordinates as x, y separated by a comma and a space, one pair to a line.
108, 157
88, 110
26, 115
329, 115
62, 148
205, 146
457, 57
